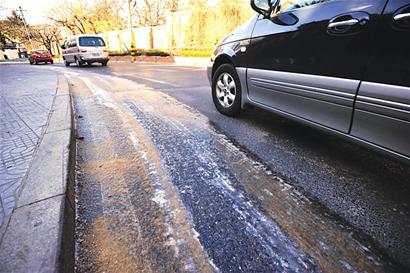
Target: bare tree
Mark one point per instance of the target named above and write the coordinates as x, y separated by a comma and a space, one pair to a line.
208, 25
150, 13
12, 29
47, 35
80, 17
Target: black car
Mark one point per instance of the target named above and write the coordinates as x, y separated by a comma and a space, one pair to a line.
339, 65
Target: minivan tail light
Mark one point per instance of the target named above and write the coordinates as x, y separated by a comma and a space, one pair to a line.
82, 50
105, 50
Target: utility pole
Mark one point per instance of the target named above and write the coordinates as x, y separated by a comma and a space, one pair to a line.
133, 51
25, 26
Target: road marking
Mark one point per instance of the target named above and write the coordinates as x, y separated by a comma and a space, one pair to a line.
163, 70
201, 87
146, 79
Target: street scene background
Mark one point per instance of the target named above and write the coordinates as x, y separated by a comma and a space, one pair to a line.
130, 168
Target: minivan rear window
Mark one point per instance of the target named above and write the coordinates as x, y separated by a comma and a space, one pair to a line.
91, 41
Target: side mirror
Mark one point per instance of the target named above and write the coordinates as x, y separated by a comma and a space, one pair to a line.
265, 7
62, 46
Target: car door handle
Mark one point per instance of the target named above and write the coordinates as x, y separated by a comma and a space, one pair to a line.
399, 17
347, 23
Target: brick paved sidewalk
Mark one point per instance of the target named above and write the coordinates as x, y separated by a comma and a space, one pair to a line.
26, 98
37, 156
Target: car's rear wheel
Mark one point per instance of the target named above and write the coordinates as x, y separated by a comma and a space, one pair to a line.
66, 63
35, 62
52, 62
226, 90
78, 62
104, 63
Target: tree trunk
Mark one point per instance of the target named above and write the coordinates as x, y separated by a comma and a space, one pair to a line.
151, 38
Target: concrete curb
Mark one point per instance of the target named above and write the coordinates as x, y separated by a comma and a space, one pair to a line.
40, 233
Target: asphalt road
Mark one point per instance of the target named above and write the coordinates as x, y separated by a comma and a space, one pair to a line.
362, 193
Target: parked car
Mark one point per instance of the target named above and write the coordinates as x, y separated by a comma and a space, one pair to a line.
22, 52
40, 56
85, 49
339, 65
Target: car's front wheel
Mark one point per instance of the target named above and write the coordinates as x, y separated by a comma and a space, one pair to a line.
226, 90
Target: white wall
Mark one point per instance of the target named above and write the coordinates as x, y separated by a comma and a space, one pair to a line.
11, 53
170, 35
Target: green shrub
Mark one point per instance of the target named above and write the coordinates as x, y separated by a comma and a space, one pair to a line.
116, 53
155, 52
142, 52
193, 53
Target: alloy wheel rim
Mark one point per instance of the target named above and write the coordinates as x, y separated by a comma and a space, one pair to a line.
225, 90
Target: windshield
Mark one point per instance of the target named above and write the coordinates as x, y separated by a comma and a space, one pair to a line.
91, 41
41, 52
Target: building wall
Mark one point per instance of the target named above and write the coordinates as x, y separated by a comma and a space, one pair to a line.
11, 54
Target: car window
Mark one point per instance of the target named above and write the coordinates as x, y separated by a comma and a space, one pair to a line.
289, 5
91, 41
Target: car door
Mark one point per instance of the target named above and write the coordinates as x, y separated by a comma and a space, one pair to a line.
382, 109
66, 51
308, 59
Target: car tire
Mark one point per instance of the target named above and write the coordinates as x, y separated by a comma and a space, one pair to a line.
66, 63
35, 62
78, 62
226, 90
104, 63
51, 62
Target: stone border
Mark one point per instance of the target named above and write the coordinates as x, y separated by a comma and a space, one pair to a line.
40, 234
179, 61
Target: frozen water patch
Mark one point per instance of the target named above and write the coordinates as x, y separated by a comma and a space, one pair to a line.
173, 139
159, 196
103, 96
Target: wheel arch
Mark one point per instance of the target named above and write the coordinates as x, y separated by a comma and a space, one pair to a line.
221, 59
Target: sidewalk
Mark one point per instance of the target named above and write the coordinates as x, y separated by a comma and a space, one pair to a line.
14, 61
36, 213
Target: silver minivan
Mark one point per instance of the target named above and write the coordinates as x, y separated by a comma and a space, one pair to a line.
85, 49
